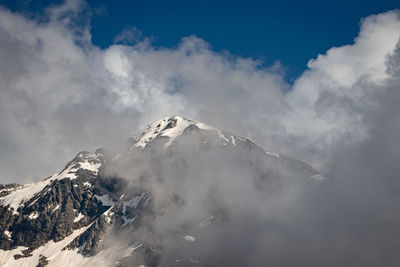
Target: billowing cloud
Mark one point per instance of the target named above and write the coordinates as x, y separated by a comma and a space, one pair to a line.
331, 99
62, 94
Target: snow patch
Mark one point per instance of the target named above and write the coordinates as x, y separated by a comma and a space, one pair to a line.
319, 177
69, 172
50, 250
93, 167
133, 203
7, 233
272, 154
189, 238
33, 215
85, 161
108, 214
22, 194
233, 140
68, 257
56, 208
210, 128
79, 217
105, 200
127, 220
172, 127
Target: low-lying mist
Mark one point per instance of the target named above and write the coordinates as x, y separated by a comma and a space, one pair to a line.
224, 197
243, 207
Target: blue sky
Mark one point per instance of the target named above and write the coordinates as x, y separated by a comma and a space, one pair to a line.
291, 32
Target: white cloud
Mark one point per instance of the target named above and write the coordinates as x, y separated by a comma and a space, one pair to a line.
116, 62
330, 100
61, 94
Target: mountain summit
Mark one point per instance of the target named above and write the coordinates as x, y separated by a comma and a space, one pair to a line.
179, 188
172, 127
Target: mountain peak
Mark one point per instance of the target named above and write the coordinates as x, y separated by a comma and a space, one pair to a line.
63, 219
171, 127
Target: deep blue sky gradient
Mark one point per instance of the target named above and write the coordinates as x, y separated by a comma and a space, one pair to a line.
289, 31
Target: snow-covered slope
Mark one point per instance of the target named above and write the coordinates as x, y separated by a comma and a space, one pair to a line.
17, 196
173, 127
66, 219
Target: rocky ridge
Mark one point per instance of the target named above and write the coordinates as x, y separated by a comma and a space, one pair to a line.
70, 215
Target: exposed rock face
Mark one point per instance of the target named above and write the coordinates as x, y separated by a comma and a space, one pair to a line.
50, 214
99, 195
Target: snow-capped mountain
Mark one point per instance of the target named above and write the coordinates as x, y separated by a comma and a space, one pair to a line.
177, 187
